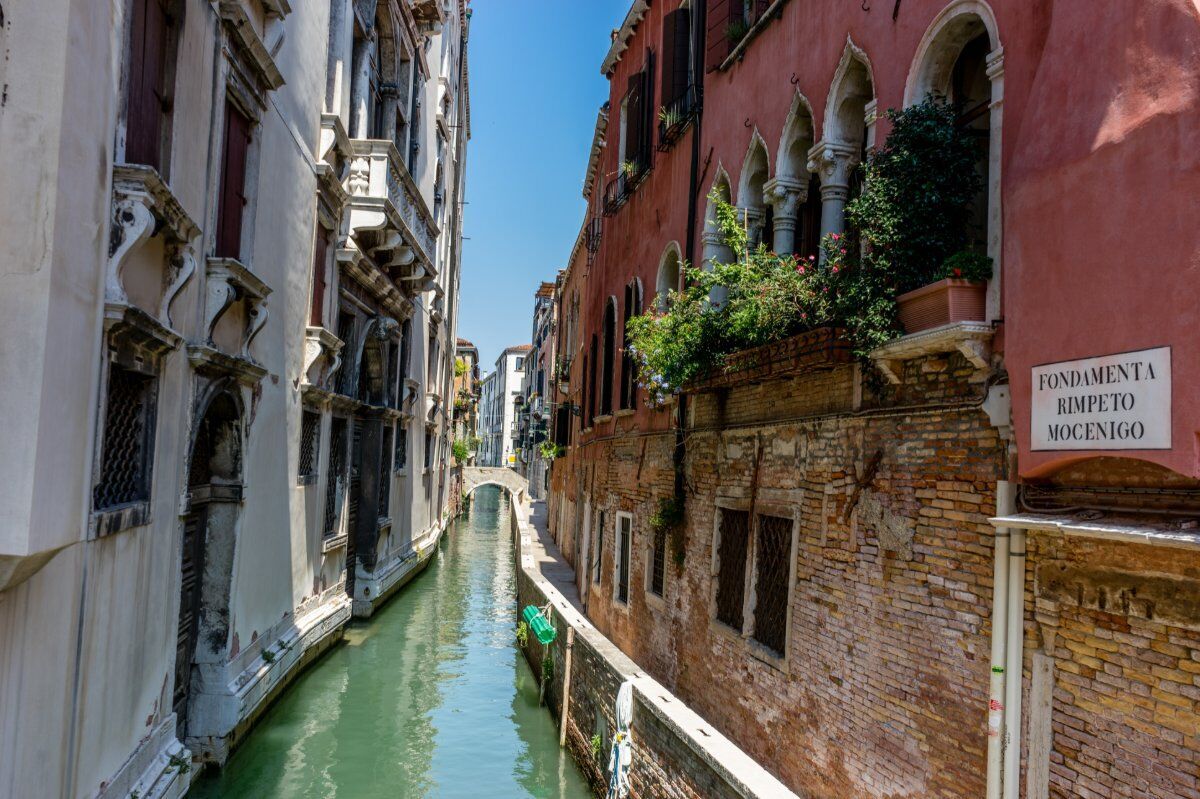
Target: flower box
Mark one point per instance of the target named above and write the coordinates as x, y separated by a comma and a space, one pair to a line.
942, 303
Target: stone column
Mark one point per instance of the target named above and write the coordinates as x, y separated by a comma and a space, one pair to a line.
785, 195
753, 219
833, 162
360, 87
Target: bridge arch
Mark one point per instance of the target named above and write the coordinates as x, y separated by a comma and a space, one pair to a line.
508, 479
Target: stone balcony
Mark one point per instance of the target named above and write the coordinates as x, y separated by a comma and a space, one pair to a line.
388, 217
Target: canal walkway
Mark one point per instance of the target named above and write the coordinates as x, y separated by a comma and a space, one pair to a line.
430, 698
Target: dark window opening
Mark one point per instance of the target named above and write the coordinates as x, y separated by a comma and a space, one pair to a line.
772, 567
128, 443
385, 473
658, 562
336, 477
428, 449
610, 344
401, 454
633, 307
731, 563
624, 547
310, 444
596, 563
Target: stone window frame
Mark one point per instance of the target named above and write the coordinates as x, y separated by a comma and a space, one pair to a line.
779, 503
618, 603
110, 520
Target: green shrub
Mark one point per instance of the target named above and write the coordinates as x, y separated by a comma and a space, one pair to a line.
460, 450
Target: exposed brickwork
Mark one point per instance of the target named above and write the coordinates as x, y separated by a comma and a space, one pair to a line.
1122, 625
665, 766
883, 688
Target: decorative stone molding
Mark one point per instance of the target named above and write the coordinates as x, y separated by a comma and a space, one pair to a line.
144, 206
383, 197
834, 162
228, 282
971, 339
250, 46
357, 266
135, 338
322, 356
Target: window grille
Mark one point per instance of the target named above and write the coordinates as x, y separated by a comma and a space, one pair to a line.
658, 562
310, 443
731, 573
385, 472
401, 454
128, 440
772, 566
624, 545
336, 475
599, 548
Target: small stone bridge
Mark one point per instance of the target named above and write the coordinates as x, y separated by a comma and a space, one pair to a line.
476, 476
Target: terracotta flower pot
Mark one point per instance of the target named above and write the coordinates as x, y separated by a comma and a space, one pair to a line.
941, 303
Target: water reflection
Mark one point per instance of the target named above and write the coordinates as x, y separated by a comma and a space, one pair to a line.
430, 699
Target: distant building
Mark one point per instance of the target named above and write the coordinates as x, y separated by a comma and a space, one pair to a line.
499, 433
537, 389
466, 396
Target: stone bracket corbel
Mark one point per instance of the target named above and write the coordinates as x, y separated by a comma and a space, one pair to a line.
133, 223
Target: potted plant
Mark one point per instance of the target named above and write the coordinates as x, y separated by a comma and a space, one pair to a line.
914, 218
958, 295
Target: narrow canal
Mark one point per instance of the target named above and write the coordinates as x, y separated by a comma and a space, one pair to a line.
431, 698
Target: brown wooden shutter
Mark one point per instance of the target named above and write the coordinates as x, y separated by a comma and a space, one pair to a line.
716, 43
633, 120
320, 256
233, 183
649, 109
146, 99
676, 53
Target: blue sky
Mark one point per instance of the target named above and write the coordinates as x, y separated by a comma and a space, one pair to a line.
535, 89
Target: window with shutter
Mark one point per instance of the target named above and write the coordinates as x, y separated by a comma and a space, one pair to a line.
716, 38
676, 55
610, 345
320, 260
147, 97
233, 183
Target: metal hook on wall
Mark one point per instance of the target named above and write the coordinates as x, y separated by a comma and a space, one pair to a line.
794, 79
865, 7
747, 122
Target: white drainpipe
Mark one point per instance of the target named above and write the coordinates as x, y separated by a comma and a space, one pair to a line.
996, 696
1014, 660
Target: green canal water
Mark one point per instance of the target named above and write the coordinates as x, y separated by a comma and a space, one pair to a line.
430, 698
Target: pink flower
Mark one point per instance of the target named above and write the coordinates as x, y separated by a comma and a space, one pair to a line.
812, 257
843, 251
834, 236
800, 269
835, 269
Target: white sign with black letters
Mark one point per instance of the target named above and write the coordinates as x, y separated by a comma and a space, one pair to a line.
1118, 401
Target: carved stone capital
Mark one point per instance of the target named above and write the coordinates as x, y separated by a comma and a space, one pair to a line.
833, 162
785, 196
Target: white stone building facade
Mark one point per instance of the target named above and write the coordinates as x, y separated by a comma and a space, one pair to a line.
498, 430
232, 233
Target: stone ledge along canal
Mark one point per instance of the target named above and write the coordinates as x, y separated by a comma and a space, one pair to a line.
428, 698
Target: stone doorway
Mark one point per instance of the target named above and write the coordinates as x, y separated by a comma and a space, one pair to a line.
206, 560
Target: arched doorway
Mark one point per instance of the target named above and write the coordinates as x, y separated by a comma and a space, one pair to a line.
209, 538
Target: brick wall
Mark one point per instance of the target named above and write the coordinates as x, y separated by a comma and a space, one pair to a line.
676, 755
1113, 635
882, 690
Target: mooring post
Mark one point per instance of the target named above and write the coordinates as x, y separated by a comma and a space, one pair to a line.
566, 703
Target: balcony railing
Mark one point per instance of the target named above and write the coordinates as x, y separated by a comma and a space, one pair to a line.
618, 190
591, 237
674, 117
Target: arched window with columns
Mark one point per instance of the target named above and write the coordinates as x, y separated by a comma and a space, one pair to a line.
670, 276
753, 209
848, 130
633, 307
960, 59
608, 366
794, 194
